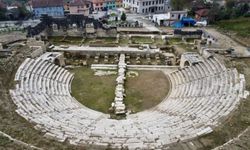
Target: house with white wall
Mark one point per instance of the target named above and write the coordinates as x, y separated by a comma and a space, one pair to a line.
147, 6
168, 18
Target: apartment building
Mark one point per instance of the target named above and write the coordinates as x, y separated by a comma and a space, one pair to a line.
147, 6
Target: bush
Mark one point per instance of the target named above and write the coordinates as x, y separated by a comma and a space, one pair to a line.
123, 17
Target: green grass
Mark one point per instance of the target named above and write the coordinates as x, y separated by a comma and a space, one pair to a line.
124, 41
87, 41
146, 91
104, 40
141, 40
187, 47
240, 26
59, 40
174, 40
107, 39
95, 92
190, 40
4, 141
159, 41
6, 144
98, 92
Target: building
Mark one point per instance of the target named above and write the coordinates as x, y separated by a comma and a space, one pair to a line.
239, 2
201, 14
118, 3
110, 4
147, 6
2, 5
98, 5
66, 6
114, 15
50, 7
82, 7
168, 18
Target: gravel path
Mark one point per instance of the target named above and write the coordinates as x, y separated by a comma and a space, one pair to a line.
227, 42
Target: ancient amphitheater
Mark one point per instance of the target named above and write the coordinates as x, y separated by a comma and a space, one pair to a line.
201, 97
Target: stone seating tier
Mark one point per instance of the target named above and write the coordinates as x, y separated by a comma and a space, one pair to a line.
201, 96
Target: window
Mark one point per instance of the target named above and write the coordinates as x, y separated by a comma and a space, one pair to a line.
153, 2
149, 3
143, 10
143, 3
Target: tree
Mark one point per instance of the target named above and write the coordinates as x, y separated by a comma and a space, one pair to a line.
180, 4
2, 14
243, 9
123, 17
177, 4
230, 4
23, 12
214, 13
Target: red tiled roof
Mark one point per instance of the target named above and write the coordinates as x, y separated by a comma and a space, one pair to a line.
46, 3
2, 5
202, 12
78, 2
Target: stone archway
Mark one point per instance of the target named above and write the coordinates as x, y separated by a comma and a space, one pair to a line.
186, 63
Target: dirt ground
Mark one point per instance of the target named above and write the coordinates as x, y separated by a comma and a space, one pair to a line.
226, 42
146, 90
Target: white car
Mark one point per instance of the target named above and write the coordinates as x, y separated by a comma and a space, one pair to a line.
201, 23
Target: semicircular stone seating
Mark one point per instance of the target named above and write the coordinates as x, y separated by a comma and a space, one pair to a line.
200, 98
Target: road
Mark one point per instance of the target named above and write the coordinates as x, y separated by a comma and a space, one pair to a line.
143, 19
227, 42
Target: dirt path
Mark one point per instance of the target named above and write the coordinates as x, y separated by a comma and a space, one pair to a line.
227, 42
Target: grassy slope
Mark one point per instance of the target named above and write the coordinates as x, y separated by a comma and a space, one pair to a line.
141, 39
6, 144
240, 26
